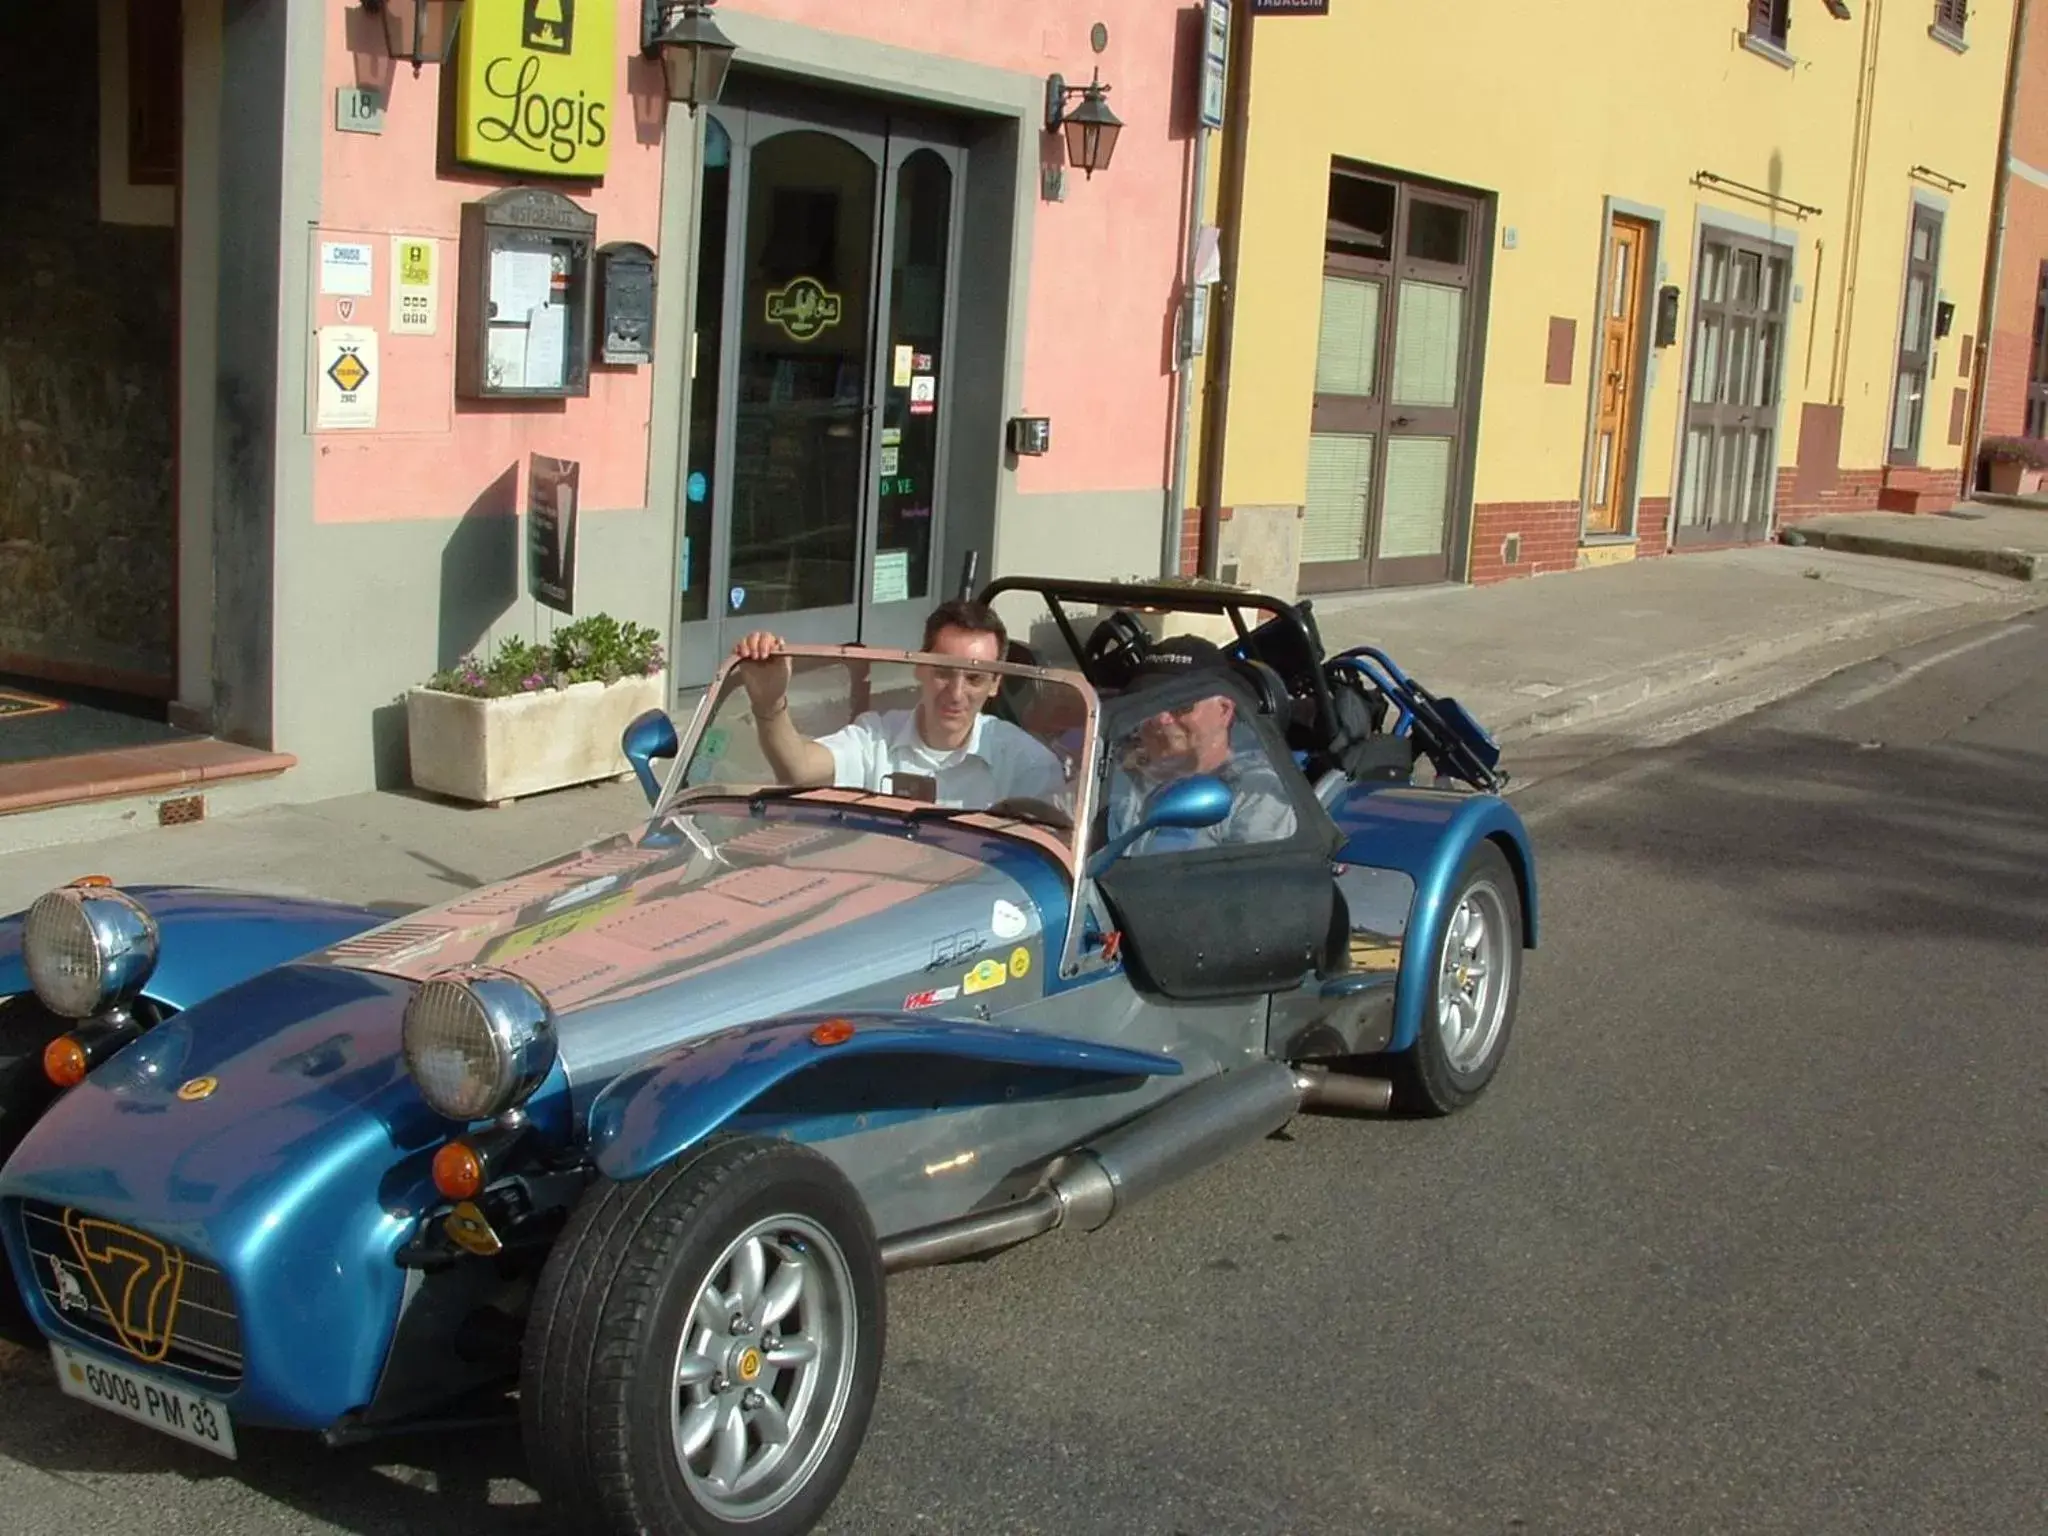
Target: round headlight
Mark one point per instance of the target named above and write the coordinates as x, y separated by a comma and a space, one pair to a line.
478, 1042
87, 948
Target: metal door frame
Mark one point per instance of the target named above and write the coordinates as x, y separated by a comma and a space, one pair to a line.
903, 623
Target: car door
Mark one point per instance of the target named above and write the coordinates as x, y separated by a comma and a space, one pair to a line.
1236, 910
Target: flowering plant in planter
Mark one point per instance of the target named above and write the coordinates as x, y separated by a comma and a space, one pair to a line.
597, 649
536, 715
2013, 465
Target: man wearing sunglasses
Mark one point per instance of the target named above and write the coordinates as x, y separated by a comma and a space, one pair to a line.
946, 750
1197, 732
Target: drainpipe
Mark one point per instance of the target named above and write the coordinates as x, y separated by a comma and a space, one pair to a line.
1223, 304
1852, 221
1994, 260
1184, 388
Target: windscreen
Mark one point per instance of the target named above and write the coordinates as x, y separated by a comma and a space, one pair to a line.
954, 735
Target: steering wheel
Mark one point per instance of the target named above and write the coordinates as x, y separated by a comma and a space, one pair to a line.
1025, 808
1114, 652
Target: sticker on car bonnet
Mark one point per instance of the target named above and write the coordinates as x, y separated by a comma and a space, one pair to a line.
1007, 922
984, 977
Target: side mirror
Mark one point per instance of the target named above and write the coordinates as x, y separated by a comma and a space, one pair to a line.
648, 736
1186, 804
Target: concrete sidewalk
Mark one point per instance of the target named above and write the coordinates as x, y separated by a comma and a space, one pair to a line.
1562, 651
2008, 539
1528, 657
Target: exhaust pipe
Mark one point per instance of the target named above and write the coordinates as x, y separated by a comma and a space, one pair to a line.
1187, 1133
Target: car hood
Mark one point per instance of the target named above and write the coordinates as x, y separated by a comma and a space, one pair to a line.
736, 916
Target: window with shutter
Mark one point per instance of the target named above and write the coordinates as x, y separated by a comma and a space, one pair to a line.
1770, 21
1950, 17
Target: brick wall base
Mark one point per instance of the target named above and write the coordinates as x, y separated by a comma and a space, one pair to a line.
1870, 490
1523, 538
1653, 524
1536, 538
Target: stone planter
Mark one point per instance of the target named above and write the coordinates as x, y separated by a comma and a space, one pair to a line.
493, 750
2011, 477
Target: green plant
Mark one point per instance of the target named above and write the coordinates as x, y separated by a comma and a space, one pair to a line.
597, 649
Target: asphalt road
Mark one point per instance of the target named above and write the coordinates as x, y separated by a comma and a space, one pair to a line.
1750, 1236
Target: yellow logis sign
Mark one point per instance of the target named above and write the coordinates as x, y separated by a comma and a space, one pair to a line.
534, 92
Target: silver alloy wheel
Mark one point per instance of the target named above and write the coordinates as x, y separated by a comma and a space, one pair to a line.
1474, 971
764, 1368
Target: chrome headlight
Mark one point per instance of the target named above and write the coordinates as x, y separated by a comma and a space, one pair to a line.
87, 948
478, 1042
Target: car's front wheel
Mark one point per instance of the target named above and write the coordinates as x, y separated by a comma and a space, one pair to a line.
705, 1347
1475, 983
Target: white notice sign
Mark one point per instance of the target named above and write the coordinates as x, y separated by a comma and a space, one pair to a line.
347, 383
892, 575
415, 286
346, 268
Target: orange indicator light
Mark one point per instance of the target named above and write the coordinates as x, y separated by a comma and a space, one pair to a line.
64, 1062
832, 1032
458, 1172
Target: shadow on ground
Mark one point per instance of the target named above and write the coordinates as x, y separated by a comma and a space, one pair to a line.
1942, 841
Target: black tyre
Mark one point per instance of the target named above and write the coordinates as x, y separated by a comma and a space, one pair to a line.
25, 1028
705, 1347
1475, 986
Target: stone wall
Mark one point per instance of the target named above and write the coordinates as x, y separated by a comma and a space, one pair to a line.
88, 379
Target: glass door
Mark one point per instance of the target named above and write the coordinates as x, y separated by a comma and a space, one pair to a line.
1916, 339
813, 491
905, 576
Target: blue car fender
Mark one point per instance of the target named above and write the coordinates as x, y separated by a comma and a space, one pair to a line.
1429, 835
659, 1109
213, 940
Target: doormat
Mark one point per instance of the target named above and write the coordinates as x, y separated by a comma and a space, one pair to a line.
19, 706
37, 723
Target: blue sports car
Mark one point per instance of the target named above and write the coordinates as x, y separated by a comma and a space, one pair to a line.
625, 1146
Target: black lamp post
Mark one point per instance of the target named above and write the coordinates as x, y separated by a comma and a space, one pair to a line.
1090, 129
694, 53
417, 31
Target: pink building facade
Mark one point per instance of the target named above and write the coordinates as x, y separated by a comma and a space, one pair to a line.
868, 260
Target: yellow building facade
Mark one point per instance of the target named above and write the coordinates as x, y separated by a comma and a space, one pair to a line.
1513, 287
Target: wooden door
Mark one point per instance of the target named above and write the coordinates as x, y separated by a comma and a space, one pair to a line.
1390, 416
1741, 308
1616, 414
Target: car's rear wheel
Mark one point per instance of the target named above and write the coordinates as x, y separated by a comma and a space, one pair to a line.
25, 1028
705, 1347
1475, 984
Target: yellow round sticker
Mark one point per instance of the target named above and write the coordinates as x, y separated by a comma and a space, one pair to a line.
1020, 962
199, 1088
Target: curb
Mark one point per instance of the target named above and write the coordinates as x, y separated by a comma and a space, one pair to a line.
2018, 564
1684, 674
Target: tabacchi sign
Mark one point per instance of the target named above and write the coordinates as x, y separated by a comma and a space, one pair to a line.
535, 89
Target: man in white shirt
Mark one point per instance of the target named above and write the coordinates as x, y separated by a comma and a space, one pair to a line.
945, 750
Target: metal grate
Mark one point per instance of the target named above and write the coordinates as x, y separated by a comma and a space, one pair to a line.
181, 811
206, 1335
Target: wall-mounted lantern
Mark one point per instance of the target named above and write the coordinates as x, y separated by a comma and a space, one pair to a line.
417, 31
1091, 128
694, 54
